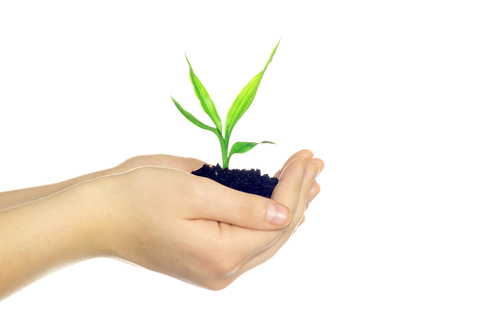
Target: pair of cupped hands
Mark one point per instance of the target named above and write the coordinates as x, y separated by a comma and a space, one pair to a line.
164, 219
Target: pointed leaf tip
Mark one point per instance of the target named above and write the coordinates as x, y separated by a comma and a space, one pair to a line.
243, 147
245, 99
205, 100
193, 119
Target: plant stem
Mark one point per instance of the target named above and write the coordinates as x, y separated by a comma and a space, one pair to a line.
223, 147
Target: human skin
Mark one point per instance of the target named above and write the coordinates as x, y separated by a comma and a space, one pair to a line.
151, 212
13, 198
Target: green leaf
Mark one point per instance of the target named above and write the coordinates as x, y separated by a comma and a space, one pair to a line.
193, 119
244, 99
206, 102
243, 147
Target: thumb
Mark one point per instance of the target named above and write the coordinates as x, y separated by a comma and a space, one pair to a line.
216, 202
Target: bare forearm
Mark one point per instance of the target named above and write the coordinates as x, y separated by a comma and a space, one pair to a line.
22, 196
46, 235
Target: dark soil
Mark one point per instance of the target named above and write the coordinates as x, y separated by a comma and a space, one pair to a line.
248, 181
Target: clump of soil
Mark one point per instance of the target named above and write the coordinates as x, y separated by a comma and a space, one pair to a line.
248, 181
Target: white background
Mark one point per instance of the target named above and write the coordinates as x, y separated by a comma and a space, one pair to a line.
399, 98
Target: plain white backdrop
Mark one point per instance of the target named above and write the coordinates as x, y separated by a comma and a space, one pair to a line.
399, 98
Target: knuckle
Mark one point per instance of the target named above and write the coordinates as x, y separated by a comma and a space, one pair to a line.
222, 274
216, 266
217, 285
222, 263
224, 266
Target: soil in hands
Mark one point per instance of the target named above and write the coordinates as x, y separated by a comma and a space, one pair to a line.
248, 181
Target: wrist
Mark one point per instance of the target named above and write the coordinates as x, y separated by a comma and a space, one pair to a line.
108, 207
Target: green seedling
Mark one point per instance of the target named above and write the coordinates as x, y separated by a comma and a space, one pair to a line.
237, 109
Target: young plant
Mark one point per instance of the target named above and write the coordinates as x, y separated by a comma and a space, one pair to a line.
237, 109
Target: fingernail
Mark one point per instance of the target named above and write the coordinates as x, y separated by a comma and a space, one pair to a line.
277, 214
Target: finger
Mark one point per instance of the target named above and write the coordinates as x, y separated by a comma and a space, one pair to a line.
290, 182
247, 243
304, 154
213, 201
315, 190
311, 170
250, 211
320, 163
302, 220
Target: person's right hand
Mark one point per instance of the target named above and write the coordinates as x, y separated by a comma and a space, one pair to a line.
196, 230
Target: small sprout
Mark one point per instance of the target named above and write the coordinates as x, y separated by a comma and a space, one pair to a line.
237, 109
